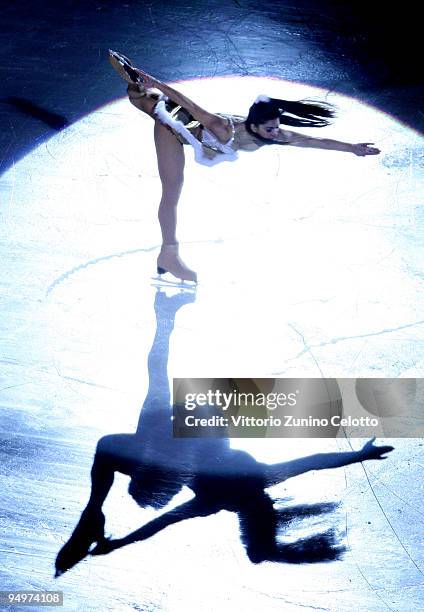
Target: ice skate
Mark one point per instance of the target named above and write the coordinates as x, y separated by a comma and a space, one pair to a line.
170, 261
124, 68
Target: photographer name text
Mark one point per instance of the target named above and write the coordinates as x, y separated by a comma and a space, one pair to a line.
287, 421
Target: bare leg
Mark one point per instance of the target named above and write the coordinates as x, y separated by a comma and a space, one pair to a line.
171, 159
170, 154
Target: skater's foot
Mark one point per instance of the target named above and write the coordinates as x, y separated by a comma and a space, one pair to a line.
170, 261
90, 529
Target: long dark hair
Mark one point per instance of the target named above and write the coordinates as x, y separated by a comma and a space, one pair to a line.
300, 114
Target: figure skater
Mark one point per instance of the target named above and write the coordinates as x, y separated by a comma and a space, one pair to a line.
215, 138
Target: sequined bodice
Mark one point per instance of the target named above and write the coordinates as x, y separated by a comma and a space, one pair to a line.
211, 141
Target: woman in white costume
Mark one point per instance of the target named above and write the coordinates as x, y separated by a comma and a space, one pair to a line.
215, 137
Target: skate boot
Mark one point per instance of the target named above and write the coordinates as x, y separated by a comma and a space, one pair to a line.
170, 261
124, 68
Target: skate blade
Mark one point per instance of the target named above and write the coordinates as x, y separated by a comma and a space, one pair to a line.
158, 281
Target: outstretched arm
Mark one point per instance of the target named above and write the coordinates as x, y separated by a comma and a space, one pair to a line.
300, 140
278, 472
217, 125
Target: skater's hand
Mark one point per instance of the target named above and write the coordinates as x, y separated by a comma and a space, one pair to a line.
103, 547
148, 80
369, 451
364, 148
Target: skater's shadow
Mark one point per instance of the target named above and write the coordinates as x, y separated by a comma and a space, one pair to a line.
221, 478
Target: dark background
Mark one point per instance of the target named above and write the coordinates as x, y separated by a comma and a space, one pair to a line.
54, 66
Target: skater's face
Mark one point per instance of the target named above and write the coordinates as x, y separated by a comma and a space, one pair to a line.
269, 130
